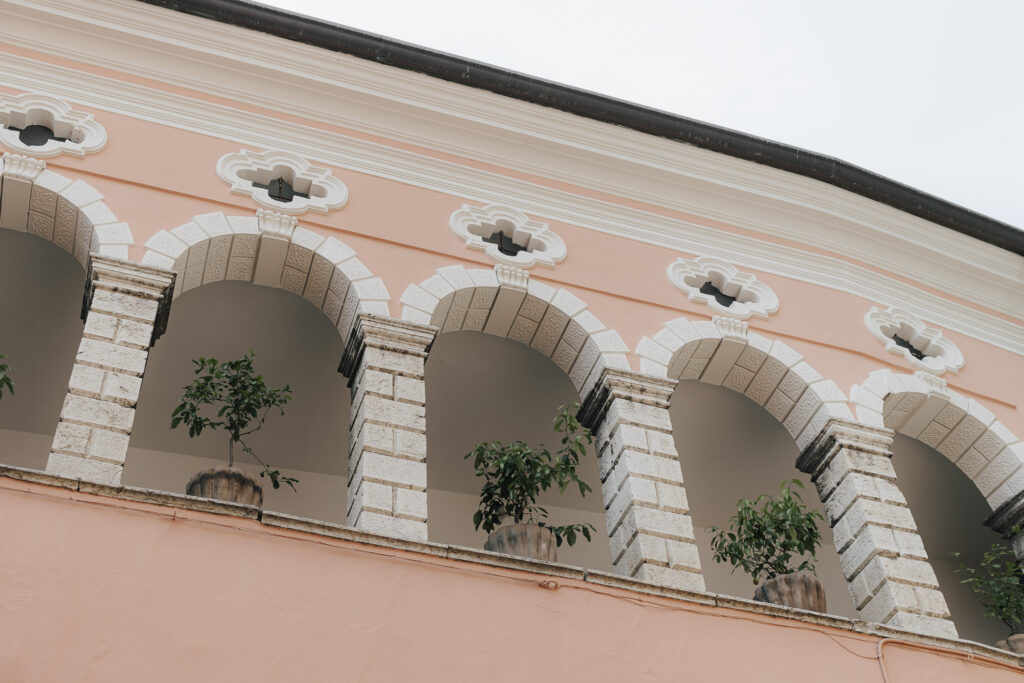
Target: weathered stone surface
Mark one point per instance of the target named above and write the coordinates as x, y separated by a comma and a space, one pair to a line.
880, 552
1014, 643
802, 590
524, 540
126, 307
650, 530
231, 485
388, 447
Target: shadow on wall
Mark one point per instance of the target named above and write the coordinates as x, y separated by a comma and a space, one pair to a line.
294, 344
950, 514
731, 448
40, 329
486, 388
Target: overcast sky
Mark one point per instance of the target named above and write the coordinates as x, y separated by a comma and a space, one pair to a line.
929, 93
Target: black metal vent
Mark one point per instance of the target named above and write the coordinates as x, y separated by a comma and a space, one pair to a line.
720, 297
36, 135
914, 351
281, 190
505, 244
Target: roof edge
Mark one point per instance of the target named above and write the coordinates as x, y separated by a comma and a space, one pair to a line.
376, 48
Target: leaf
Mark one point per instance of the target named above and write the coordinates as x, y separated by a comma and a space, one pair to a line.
767, 537
515, 474
239, 400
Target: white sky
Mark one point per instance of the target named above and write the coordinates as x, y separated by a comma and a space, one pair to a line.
926, 92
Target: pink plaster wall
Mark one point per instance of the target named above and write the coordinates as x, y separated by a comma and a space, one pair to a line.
100, 589
156, 177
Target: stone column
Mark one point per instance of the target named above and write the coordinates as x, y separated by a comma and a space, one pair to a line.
1005, 519
881, 553
387, 459
125, 310
647, 514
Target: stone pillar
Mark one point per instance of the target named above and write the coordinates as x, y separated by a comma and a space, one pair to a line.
125, 310
647, 514
1008, 517
387, 459
880, 551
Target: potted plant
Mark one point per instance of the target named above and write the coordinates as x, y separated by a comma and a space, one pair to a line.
239, 401
998, 583
514, 475
765, 539
5, 377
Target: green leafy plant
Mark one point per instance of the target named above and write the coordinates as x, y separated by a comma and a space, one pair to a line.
242, 401
998, 583
515, 474
767, 536
5, 377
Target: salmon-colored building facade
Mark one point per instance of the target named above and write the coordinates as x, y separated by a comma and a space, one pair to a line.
455, 251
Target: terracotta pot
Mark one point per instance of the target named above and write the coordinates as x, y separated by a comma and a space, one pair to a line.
1014, 643
231, 485
802, 590
524, 540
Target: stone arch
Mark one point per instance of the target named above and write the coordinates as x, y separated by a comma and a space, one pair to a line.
921, 406
270, 249
724, 352
71, 214
506, 302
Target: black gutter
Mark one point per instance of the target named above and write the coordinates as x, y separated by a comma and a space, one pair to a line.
590, 105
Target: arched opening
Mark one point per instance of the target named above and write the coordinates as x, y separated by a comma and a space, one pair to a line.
949, 511
42, 289
297, 321
956, 464
744, 409
731, 448
41, 328
539, 348
486, 388
294, 344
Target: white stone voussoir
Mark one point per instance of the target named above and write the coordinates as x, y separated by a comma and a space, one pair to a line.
72, 215
725, 352
273, 250
507, 302
921, 406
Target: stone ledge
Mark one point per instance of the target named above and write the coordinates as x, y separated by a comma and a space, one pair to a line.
279, 520
347, 533
486, 557
636, 585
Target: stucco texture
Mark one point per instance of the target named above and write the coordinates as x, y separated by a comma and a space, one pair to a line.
101, 589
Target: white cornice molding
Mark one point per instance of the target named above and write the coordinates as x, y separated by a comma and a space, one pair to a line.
940, 353
484, 187
242, 169
521, 136
752, 297
342, 151
84, 135
540, 244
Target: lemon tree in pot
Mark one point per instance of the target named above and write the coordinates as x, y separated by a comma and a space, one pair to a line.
998, 584
515, 474
237, 400
774, 540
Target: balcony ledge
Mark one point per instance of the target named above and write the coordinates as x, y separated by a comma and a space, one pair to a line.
543, 573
